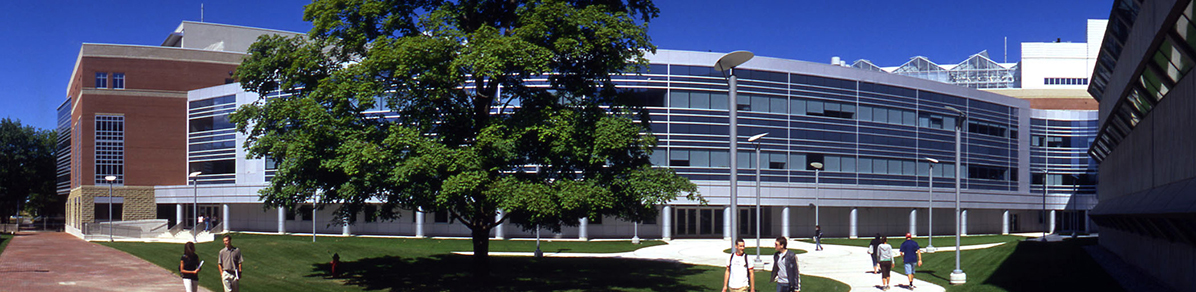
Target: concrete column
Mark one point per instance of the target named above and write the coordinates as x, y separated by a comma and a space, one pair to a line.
853, 232
583, 227
913, 222
419, 224
498, 230
727, 224
963, 219
666, 227
785, 221
345, 227
1051, 222
224, 218
282, 220
1005, 222
178, 214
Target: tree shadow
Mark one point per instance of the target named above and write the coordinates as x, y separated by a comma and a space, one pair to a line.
452, 272
1052, 266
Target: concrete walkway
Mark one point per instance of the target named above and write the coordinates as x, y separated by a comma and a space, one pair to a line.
57, 261
848, 264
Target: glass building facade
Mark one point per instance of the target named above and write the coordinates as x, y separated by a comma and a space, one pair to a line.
871, 130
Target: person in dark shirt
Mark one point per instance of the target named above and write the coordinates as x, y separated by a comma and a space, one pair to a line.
189, 267
911, 253
817, 237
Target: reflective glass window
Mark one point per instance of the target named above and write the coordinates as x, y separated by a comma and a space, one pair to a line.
720, 158
797, 106
894, 166
865, 165
895, 116
760, 103
848, 164
679, 99
718, 100
778, 105
699, 99
814, 107
797, 161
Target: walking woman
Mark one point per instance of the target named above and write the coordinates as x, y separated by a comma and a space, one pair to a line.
884, 255
189, 267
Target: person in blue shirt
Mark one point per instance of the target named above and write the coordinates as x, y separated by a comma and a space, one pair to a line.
911, 253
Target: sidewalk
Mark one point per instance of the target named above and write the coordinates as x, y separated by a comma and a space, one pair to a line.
848, 264
57, 261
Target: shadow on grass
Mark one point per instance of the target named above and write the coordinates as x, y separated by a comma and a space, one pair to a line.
1052, 266
452, 272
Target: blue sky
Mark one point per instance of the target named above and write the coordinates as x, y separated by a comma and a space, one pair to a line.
40, 39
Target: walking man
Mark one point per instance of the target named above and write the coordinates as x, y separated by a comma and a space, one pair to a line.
229, 264
784, 268
817, 237
739, 276
911, 253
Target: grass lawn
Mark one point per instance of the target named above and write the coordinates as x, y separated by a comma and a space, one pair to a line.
294, 263
1017, 266
4, 238
942, 241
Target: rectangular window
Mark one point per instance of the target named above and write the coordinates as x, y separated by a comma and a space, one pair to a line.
441, 216
109, 148
101, 79
118, 80
305, 212
371, 213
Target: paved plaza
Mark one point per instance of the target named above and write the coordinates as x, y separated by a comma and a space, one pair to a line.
848, 264
57, 261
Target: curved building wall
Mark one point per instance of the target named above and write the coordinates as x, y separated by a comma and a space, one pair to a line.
1059, 141
871, 130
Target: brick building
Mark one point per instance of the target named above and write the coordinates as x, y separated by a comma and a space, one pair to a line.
125, 117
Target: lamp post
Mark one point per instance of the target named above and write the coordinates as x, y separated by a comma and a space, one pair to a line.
758, 162
930, 230
195, 207
957, 276
727, 63
817, 192
1045, 176
1075, 203
111, 179
315, 199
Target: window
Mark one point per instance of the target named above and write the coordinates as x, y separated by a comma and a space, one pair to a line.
305, 212
118, 80
441, 217
271, 163
109, 148
101, 79
289, 214
1064, 81
371, 213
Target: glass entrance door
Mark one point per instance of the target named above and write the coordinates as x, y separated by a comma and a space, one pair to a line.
698, 222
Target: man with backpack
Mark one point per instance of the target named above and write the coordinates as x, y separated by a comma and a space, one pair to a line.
739, 275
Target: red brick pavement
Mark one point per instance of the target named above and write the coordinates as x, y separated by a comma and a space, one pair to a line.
57, 261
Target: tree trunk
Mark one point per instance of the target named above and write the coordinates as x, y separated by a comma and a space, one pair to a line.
481, 254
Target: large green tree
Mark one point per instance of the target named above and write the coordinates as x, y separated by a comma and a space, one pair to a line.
27, 169
466, 132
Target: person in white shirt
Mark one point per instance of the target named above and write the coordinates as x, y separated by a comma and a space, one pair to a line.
739, 276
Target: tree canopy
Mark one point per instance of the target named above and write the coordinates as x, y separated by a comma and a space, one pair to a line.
428, 105
27, 169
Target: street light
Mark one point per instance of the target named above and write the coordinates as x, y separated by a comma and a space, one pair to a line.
111, 179
1045, 176
817, 193
314, 200
930, 231
727, 63
195, 207
758, 162
957, 276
